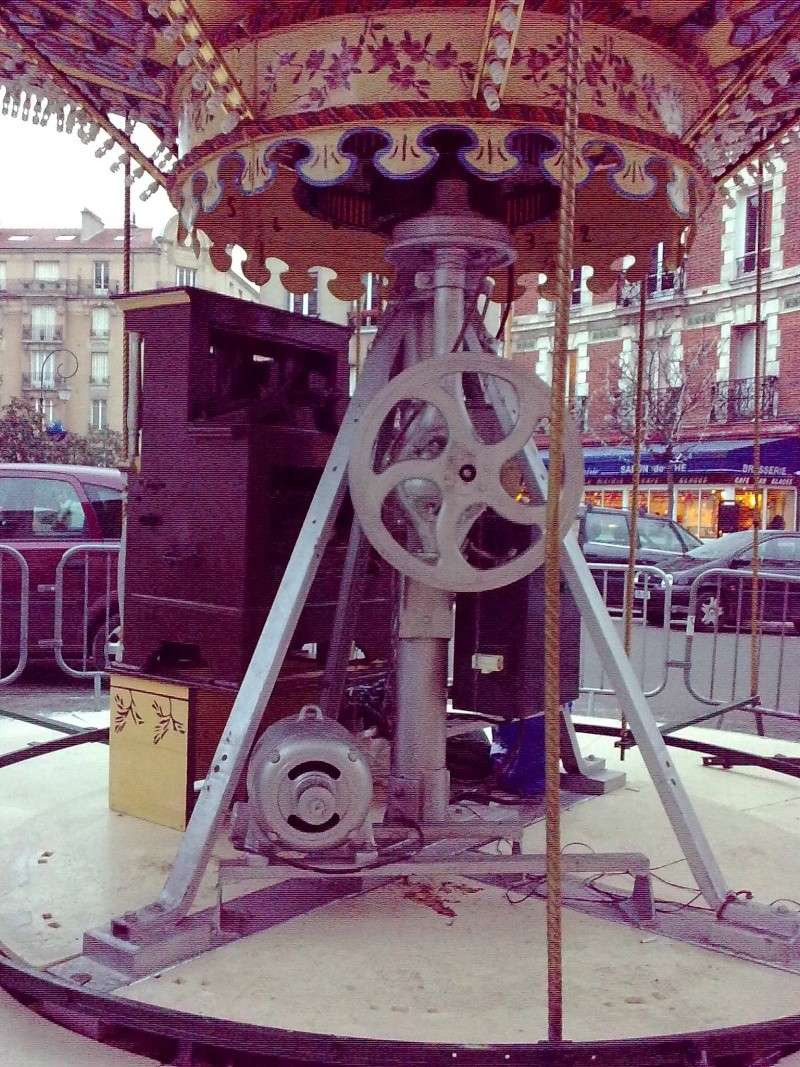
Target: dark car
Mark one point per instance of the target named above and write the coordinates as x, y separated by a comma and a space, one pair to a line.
725, 600
604, 535
46, 509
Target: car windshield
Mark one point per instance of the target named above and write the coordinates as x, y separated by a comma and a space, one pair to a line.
723, 546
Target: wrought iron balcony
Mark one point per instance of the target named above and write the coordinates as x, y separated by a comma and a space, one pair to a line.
736, 399
37, 381
42, 334
746, 264
660, 286
98, 379
71, 287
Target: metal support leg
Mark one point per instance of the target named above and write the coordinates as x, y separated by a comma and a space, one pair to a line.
345, 620
664, 775
584, 774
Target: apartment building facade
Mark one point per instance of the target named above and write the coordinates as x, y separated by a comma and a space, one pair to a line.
60, 331
699, 374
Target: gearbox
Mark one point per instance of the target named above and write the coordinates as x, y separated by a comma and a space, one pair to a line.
309, 786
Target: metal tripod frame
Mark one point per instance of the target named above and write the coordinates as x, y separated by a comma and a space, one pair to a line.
442, 260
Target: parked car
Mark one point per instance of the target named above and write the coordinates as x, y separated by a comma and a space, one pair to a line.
45, 509
719, 603
604, 535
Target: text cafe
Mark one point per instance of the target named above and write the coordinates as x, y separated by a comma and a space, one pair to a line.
712, 482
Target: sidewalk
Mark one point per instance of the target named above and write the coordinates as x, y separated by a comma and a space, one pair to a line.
47, 694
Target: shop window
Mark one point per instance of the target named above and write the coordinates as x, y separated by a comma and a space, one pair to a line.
658, 502
748, 508
780, 509
2, 275
687, 510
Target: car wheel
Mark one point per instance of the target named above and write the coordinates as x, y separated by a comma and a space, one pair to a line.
710, 614
99, 642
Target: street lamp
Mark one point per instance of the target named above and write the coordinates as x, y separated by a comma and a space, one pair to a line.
59, 373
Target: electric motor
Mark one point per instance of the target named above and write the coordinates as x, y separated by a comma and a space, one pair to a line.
309, 784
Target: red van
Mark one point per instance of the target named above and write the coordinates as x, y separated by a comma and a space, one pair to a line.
46, 509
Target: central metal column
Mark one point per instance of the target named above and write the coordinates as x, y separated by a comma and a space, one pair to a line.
447, 251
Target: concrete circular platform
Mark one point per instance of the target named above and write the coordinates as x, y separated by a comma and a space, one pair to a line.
438, 960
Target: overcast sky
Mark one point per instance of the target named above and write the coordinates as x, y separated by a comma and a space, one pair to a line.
47, 177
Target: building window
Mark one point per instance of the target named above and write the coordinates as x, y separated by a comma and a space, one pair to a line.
743, 342
373, 291
101, 322
660, 281
736, 398
98, 419
102, 276
305, 303
186, 276
2, 274
99, 371
46, 270
749, 238
46, 409
43, 369
43, 322
577, 286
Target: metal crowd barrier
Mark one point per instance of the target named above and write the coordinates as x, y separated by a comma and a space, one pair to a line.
96, 606
17, 565
723, 678
650, 650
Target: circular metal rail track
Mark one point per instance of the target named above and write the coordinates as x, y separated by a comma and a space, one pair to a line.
181, 1038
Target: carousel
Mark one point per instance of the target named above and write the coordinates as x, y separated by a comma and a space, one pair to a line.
302, 903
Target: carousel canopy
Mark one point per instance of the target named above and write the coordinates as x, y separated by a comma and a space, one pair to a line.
306, 129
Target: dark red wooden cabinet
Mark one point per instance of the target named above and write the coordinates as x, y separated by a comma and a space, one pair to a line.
239, 405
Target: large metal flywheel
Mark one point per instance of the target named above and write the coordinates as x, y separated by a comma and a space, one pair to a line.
432, 463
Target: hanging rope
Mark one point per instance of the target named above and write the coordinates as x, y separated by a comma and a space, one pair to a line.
755, 636
552, 570
638, 431
126, 288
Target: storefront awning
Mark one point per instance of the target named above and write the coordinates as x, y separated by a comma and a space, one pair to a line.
780, 458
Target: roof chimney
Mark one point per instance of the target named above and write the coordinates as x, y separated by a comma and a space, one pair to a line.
91, 225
